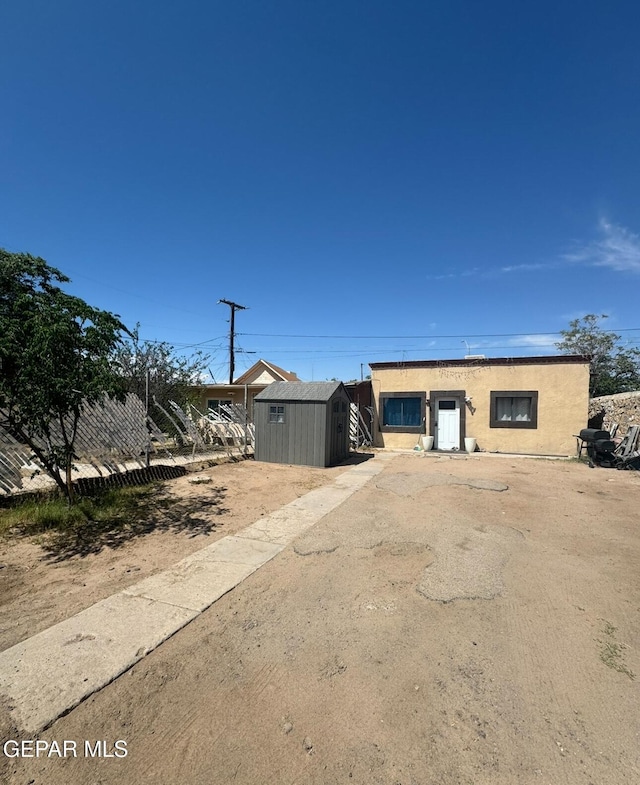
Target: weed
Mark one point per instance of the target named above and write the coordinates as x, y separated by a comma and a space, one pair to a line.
109, 518
612, 652
53, 515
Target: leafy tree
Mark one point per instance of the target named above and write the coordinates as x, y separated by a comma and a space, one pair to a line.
614, 369
171, 377
56, 353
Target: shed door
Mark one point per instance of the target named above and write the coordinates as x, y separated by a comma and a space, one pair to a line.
448, 424
339, 431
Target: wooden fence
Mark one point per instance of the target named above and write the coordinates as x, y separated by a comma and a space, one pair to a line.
117, 437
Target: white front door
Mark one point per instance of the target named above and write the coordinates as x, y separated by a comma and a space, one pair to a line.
448, 427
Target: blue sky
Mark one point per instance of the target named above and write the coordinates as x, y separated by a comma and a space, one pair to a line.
373, 180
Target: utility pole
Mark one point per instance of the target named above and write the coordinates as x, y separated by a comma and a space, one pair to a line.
234, 307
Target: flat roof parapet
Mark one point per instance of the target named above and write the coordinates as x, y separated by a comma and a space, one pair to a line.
553, 359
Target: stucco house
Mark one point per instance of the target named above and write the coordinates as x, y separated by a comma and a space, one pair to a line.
245, 387
529, 405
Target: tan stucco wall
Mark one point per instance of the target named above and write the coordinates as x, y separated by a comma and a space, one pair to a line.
224, 393
266, 377
563, 401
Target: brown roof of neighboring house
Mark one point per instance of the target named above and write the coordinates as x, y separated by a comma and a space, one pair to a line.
286, 376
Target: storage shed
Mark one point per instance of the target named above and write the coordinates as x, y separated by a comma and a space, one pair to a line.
304, 423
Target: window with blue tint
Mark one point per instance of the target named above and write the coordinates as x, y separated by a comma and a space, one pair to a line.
402, 411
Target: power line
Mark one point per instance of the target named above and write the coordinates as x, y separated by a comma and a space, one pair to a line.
137, 295
187, 345
422, 350
418, 337
209, 342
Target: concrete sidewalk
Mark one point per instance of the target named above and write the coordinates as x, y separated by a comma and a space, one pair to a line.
48, 674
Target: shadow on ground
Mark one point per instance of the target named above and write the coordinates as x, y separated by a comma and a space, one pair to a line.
152, 509
357, 457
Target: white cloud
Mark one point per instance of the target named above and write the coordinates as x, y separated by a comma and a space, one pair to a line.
491, 272
536, 341
516, 268
459, 274
618, 249
539, 342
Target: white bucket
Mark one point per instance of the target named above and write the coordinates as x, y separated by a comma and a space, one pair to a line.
470, 444
427, 442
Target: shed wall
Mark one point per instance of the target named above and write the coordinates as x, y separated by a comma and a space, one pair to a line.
300, 440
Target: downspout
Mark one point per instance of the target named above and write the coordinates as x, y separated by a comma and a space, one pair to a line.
246, 418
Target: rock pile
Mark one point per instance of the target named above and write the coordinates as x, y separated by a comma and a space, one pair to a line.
623, 408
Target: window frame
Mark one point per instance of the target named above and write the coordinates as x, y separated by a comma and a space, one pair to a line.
496, 394
402, 428
219, 402
274, 415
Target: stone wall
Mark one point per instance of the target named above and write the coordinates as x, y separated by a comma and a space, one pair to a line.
623, 408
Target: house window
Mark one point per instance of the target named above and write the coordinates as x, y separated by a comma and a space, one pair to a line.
216, 403
276, 414
514, 409
402, 412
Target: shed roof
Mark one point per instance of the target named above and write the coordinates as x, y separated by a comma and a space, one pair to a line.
298, 391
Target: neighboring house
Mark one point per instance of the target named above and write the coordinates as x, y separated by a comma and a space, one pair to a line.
530, 405
244, 389
362, 421
304, 423
360, 394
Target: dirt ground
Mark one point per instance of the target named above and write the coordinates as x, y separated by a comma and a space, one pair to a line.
41, 584
458, 621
